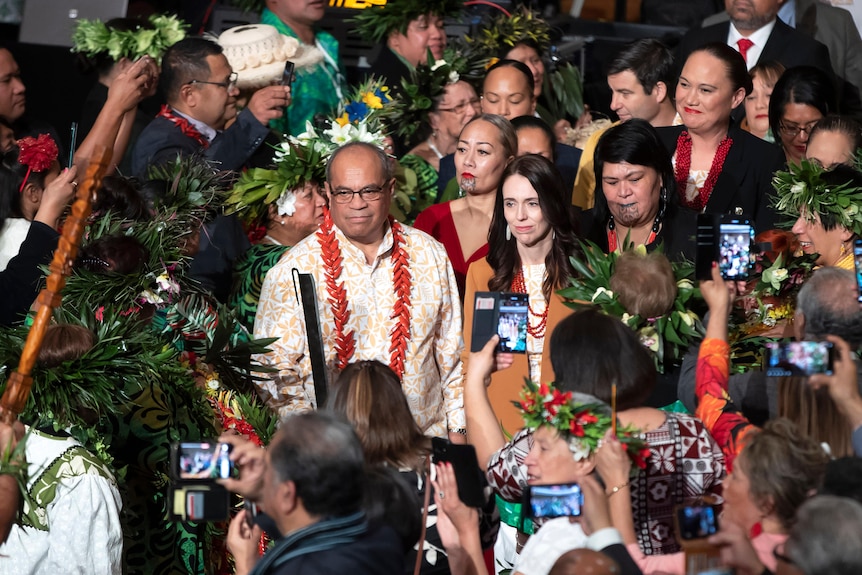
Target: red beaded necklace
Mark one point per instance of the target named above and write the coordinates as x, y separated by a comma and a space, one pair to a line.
184, 125
683, 167
520, 286
345, 342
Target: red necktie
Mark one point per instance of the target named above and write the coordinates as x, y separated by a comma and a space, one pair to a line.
744, 46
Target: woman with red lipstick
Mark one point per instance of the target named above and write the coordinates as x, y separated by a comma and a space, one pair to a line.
530, 241
802, 96
764, 75
486, 145
718, 167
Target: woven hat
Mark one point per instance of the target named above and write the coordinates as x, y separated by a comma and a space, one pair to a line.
257, 53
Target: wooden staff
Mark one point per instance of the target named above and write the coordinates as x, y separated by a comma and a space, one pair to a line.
18, 386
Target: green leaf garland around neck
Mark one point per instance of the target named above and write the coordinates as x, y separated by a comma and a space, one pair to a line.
295, 165
505, 32
93, 37
583, 425
375, 23
668, 336
800, 190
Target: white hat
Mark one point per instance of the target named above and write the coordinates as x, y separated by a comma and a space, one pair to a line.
257, 53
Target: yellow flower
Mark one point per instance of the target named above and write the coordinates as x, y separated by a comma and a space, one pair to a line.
491, 62
342, 121
372, 100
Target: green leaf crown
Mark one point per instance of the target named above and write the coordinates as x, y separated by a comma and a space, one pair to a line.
93, 37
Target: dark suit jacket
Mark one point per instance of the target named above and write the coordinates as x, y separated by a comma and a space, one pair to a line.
161, 142
746, 179
785, 45
568, 159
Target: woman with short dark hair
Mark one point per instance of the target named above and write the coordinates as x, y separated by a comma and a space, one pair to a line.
801, 97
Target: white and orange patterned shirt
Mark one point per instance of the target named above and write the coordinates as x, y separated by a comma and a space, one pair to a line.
432, 366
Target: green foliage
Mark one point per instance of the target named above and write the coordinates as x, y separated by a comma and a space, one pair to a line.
93, 37
375, 23
564, 94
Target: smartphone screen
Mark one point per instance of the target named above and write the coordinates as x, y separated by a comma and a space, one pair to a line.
697, 521
565, 500
734, 249
203, 460
512, 323
799, 358
287, 75
857, 259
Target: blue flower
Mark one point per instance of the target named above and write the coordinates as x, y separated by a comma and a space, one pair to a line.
356, 111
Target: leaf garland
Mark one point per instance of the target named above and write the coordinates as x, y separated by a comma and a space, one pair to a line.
564, 94
375, 23
93, 37
800, 190
505, 32
669, 336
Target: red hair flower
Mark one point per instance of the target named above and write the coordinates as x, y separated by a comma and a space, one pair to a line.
38, 154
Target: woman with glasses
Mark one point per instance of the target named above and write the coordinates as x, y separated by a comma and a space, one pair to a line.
486, 145
436, 106
718, 167
801, 97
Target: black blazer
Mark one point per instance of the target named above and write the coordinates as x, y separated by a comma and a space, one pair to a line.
785, 45
746, 179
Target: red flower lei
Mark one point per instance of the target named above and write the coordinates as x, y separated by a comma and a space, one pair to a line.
345, 343
520, 286
38, 154
184, 125
683, 166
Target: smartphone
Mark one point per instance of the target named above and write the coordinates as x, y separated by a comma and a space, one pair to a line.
799, 358
468, 475
857, 259
696, 521
735, 242
705, 244
202, 461
503, 314
287, 76
566, 500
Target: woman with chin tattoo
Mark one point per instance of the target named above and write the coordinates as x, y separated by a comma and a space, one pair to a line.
638, 200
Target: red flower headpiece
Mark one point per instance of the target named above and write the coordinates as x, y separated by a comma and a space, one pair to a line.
38, 154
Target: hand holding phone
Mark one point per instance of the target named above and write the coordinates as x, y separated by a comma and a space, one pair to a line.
202, 461
468, 475
288, 75
503, 314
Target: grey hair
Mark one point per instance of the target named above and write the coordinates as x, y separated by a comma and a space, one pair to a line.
385, 165
829, 304
827, 537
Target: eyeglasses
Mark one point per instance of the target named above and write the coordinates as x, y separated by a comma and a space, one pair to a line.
229, 85
461, 108
792, 130
368, 193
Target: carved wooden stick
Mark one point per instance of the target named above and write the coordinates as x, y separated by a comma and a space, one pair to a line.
18, 386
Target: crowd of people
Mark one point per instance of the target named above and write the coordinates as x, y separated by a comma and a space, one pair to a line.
300, 266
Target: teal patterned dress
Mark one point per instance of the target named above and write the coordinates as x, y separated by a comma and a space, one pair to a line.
315, 91
248, 275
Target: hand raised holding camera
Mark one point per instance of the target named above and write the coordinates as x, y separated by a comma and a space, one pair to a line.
251, 461
269, 103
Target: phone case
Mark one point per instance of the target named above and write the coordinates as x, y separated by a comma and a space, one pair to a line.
468, 475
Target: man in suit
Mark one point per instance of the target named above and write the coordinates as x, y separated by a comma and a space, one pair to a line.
755, 31
200, 89
829, 25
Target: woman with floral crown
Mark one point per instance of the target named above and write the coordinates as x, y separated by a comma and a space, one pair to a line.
110, 48
827, 207
286, 205
436, 104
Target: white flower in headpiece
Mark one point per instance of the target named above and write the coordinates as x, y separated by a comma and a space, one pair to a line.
797, 188
167, 284
437, 65
286, 203
579, 448
608, 293
453, 77
338, 134
282, 150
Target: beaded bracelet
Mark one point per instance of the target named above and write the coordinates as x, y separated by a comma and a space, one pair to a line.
618, 488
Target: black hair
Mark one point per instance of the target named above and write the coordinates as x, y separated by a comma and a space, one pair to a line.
527, 122
389, 500
186, 61
634, 142
12, 174
553, 200
801, 85
590, 351
122, 196
321, 454
650, 61
734, 63
113, 254
519, 66
843, 125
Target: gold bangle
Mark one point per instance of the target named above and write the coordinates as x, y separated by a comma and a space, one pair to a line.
618, 488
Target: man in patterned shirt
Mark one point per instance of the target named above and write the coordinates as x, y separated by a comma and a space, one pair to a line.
385, 292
